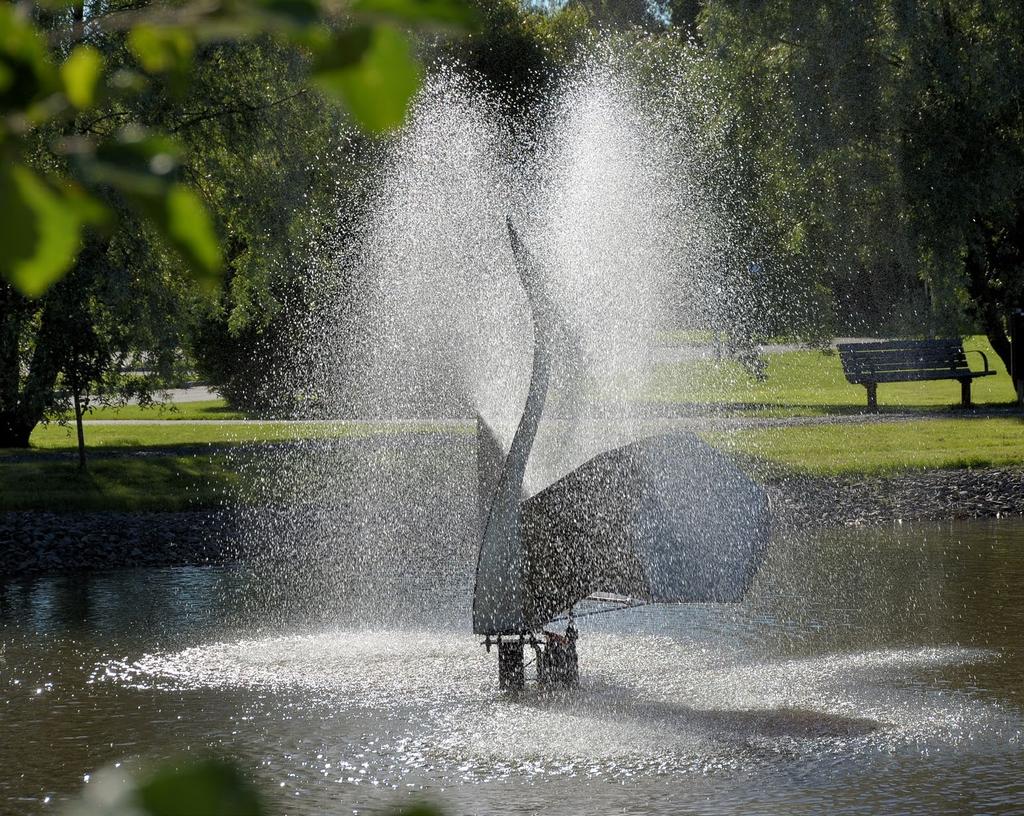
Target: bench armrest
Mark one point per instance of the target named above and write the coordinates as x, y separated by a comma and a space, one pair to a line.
983, 357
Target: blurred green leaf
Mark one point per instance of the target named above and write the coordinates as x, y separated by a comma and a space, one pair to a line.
161, 49
204, 788
124, 81
300, 12
341, 50
184, 223
243, 19
135, 163
39, 231
208, 787
455, 13
26, 73
88, 209
373, 71
80, 73
142, 167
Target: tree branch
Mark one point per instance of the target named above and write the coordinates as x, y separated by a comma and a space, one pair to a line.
244, 108
88, 128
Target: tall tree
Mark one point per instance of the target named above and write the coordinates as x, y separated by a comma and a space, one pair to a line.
961, 132
121, 302
883, 141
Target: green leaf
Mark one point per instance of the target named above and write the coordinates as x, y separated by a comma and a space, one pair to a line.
39, 232
242, 19
88, 209
161, 49
300, 12
81, 73
374, 72
455, 13
126, 82
191, 229
142, 167
135, 163
186, 226
344, 50
26, 72
205, 787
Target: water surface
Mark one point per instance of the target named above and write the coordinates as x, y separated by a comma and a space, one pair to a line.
869, 671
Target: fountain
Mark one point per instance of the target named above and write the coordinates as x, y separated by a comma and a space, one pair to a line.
605, 186
872, 669
666, 519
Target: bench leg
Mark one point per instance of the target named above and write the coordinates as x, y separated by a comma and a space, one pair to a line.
872, 395
965, 393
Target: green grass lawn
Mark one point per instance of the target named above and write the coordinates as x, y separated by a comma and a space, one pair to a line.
163, 480
166, 481
202, 409
800, 382
106, 437
133, 436
811, 383
882, 447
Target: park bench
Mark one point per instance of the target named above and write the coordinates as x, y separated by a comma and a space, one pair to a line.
869, 364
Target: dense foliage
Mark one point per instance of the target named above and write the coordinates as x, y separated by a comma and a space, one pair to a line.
872, 153
884, 149
147, 148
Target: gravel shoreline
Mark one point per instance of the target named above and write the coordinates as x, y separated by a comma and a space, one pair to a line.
801, 502
36, 542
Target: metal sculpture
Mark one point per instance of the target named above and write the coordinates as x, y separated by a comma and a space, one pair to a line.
667, 519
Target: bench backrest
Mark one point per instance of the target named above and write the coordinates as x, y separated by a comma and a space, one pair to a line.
865, 360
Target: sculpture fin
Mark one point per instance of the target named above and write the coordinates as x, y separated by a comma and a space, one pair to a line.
498, 596
490, 456
666, 519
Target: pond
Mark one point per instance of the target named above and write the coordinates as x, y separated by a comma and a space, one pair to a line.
871, 670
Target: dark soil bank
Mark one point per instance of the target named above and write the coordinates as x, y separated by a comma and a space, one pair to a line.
35, 541
931, 495
41, 542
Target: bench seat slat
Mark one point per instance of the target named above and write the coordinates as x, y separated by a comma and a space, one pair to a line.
906, 365
904, 354
916, 376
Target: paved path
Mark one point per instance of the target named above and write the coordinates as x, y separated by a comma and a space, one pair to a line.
697, 421
193, 393
196, 393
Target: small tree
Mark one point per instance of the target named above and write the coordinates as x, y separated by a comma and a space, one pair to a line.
89, 358
121, 303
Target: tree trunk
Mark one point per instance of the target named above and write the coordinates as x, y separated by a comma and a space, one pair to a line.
23, 400
78, 20
13, 432
1017, 352
13, 314
80, 429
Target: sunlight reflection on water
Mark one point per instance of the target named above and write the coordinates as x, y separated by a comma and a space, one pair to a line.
868, 671
649, 703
